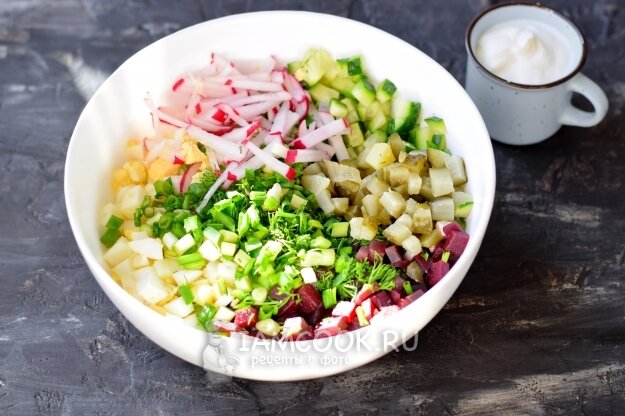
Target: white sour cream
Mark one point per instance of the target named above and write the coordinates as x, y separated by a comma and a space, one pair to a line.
525, 51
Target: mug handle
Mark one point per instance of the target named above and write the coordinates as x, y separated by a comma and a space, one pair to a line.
573, 116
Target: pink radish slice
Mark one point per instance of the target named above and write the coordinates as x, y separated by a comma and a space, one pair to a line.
250, 112
265, 124
229, 99
304, 156
187, 176
335, 127
218, 182
210, 127
328, 150
229, 150
242, 133
178, 160
290, 121
293, 86
256, 85
336, 141
194, 105
155, 150
212, 90
280, 150
252, 163
278, 122
258, 98
155, 121
302, 130
278, 75
177, 84
167, 119
271, 162
250, 66
233, 114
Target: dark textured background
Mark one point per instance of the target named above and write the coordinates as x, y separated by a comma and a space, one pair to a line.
537, 327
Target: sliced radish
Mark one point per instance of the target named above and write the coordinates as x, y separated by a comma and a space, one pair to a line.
310, 139
229, 150
336, 141
252, 111
251, 66
304, 156
271, 162
242, 133
187, 176
232, 114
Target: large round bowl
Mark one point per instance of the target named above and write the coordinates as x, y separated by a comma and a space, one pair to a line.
117, 112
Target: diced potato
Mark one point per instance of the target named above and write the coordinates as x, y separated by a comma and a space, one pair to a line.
414, 183
455, 164
224, 314
356, 199
353, 211
136, 171
324, 200
139, 260
411, 206
396, 233
297, 201
362, 229
166, 267
108, 210
393, 202
441, 182
178, 307
203, 292
118, 252
415, 272
124, 268
380, 155
426, 188
436, 157
152, 248
442, 209
422, 219
377, 186
371, 205
412, 245
415, 161
311, 169
383, 218
397, 144
463, 203
406, 220
402, 190
315, 183
431, 239
340, 205
339, 172
227, 270
397, 174
186, 276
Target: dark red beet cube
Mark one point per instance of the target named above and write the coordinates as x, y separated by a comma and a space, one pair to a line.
402, 264
399, 285
381, 299
438, 253
275, 293
394, 254
438, 270
246, 318
455, 243
316, 316
423, 263
451, 228
362, 254
395, 296
310, 299
377, 250
411, 298
369, 308
288, 310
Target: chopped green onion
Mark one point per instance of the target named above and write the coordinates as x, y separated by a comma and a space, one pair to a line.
191, 223
186, 293
110, 237
362, 318
329, 297
408, 288
205, 316
445, 256
114, 222
190, 258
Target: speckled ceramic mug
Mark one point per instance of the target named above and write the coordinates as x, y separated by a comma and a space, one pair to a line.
521, 114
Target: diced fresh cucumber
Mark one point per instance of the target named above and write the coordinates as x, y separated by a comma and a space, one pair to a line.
436, 124
386, 108
438, 141
405, 115
339, 229
322, 94
292, 67
378, 122
364, 92
315, 64
377, 136
344, 85
385, 91
420, 136
337, 108
350, 66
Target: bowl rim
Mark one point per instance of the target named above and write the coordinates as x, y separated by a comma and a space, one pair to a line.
103, 277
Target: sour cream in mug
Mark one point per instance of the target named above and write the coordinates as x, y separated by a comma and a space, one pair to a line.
525, 51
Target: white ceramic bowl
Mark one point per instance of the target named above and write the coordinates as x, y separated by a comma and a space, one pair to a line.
117, 112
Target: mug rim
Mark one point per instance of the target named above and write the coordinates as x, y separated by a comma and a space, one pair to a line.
539, 5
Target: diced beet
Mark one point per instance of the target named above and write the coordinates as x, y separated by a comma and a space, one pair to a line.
399, 285
423, 263
246, 318
381, 299
330, 327
365, 292
384, 313
225, 326
401, 264
377, 250
310, 299
288, 310
411, 298
345, 309
451, 228
438, 253
394, 254
362, 254
275, 293
455, 243
305, 335
369, 308
395, 296
353, 325
316, 316
437, 271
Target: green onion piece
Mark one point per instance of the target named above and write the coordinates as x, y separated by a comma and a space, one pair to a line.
270, 204
190, 258
362, 318
191, 223
109, 237
445, 256
114, 222
165, 221
315, 224
205, 316
259, 295
137, 216
243, 224
178, 230
425, 255
408, 288
222, 218
186, 293
221, 283
148, 212
329, 297
258, 196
